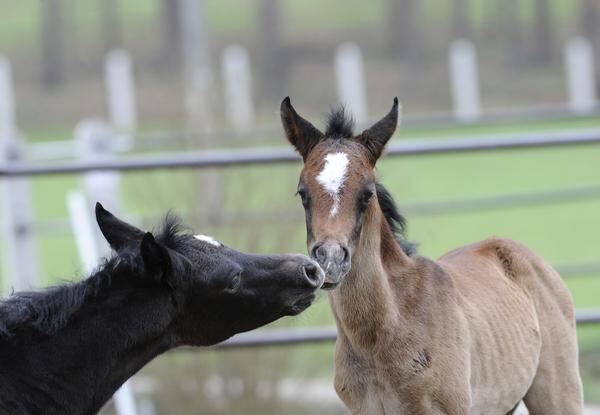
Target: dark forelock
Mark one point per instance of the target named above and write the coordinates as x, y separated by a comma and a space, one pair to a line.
339, 124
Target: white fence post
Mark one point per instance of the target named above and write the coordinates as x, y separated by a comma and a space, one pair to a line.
120, 89
235, 66
20, 252
579, 65
350, 77
84, 230
7, 102
464, 77
95, 141
86, 235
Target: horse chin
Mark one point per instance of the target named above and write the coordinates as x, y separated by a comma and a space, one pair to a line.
328, 286
333, 281
300, 305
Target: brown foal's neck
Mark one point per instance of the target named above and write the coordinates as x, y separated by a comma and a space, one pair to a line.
364, 303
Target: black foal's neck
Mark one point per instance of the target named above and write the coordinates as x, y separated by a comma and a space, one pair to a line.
87, 337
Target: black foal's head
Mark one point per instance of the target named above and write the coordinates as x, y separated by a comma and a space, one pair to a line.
217, 291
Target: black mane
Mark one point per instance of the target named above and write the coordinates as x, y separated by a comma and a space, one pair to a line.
394, 218
47, 311
339, 125
168, 232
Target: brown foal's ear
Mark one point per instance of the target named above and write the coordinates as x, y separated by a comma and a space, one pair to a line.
299, 132
376, 137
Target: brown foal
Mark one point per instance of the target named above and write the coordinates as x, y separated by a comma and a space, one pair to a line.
475, 332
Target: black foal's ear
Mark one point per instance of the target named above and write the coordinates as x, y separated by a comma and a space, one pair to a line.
157, 261
299, 132
118, 234
376, 137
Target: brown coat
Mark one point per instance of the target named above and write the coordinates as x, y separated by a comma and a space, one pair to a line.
473, 333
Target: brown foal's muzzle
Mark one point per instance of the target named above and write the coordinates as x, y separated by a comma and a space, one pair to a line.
334, 259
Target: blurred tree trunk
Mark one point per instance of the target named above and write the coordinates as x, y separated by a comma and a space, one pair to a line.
403, 39
589, 18
111, 24
461, 22
272, 60
543, 37
52, 42
508, 28
588, 21
171, 22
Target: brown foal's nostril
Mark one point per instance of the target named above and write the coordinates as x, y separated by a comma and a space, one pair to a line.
318, 253
331, 252
346, 254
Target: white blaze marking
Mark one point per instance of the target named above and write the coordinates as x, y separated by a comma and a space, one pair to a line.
333, 176
208, 239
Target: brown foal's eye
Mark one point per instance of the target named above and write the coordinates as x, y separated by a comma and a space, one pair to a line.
304, 196
365, 197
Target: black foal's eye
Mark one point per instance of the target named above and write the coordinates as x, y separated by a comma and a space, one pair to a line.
234, 283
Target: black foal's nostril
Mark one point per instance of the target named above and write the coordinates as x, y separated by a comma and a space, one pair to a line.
311, 271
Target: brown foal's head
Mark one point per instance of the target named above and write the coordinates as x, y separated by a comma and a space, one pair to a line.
337, 184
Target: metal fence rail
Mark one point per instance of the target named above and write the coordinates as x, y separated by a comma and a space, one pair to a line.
169, 140
291, 337
279, 337
577, 269
224, 158
585, 317
504, 201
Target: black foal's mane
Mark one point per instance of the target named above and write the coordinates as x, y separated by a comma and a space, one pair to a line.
49, 310
340, 126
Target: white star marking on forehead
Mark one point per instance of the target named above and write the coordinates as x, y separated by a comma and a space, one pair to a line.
333, 176
208, 239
